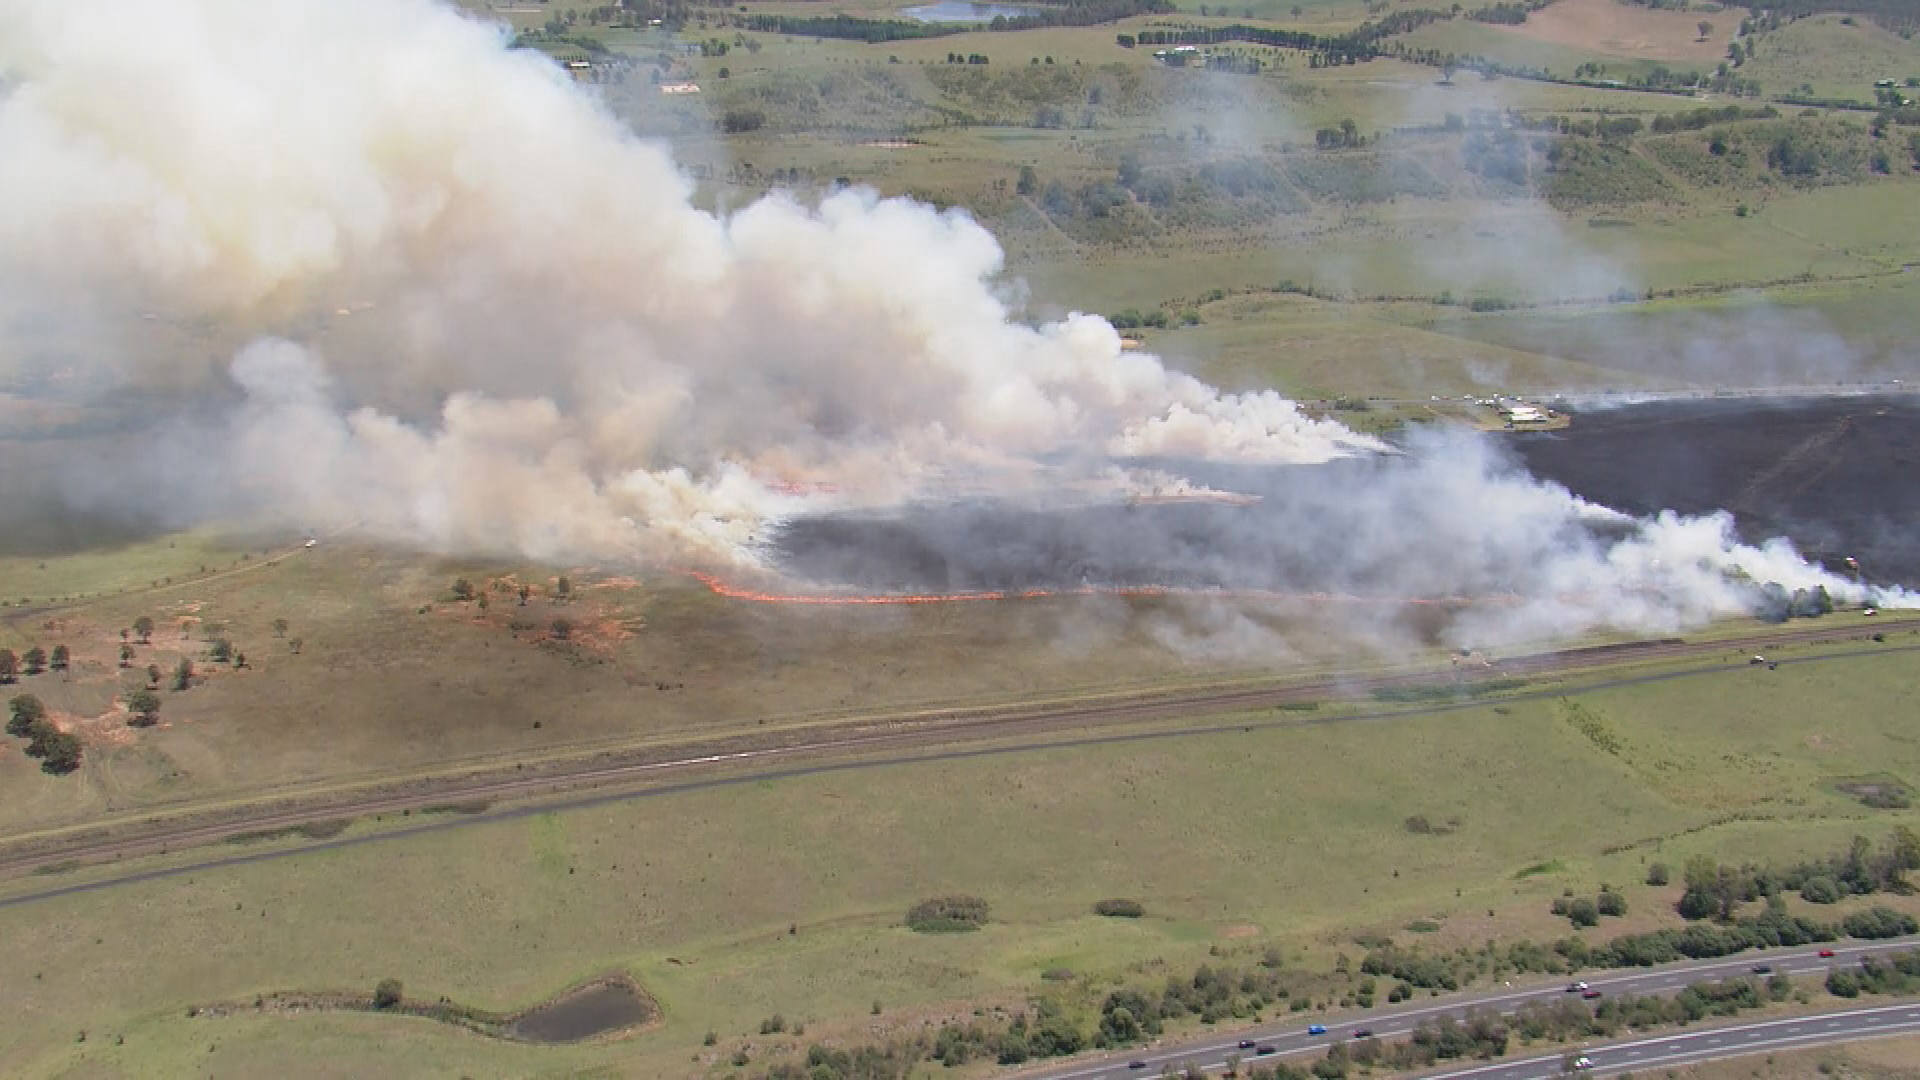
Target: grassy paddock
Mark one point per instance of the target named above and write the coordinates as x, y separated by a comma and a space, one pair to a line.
788, 896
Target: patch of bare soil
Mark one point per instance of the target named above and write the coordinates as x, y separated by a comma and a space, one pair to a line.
1628, 30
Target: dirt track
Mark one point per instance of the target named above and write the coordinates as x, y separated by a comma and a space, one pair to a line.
725, 758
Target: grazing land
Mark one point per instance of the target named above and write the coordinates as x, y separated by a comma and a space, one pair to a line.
1364, 236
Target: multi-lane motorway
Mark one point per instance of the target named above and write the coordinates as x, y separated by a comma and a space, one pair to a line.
1289, 1038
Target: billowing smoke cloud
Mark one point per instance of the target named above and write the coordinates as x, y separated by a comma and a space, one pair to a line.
533, 340
486, 319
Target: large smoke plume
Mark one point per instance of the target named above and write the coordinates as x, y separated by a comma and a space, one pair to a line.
475, 315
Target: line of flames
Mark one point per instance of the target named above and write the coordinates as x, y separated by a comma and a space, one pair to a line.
721, 587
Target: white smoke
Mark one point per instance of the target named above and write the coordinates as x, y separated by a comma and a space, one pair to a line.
533, 341
487, 319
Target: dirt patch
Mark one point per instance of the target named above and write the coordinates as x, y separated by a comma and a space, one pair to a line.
1609, 26
1240, 932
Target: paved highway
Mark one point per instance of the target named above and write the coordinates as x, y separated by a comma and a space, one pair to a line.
1289, 1037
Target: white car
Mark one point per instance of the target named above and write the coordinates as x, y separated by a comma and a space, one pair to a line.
1583, 1062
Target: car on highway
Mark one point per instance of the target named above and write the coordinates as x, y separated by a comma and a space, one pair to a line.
1763, 969
1263, 1050
1577, 988
1589, 993
1826, 954
1316, 1029
1246, 1044
1583, 1062
1363, 1033
1136, 1064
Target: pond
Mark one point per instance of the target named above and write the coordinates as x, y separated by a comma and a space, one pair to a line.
589, 1011
957, 11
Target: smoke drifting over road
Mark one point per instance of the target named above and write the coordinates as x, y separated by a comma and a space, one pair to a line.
483, 318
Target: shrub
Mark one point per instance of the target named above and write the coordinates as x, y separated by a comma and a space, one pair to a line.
1820, 890
947, 915
1612, 903
387, 994
1658, 874
1119, 909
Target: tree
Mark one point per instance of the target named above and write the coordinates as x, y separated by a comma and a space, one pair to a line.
563, 589
294, 645
279, 628
143, 707
144, 627
126, 655
462, 589
1820, 890
153, 676
25, 711
35, 661
1658, 874
222, 651
525, 591
1029, 181
9, 666
183, 675
1611, 903
59, 752
1583, 912
1705, 28
387, 994
562, 629
1447, 71
61, 658
725, 73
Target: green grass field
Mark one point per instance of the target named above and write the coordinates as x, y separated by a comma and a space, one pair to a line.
786, 895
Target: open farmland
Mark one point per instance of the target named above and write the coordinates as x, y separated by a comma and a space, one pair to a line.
785, 896
1365, 237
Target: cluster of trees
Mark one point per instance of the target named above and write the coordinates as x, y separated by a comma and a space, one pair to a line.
1896, 974
848, 27
1346, 136
1048, 1033
32, 662
1509, 13
947, 915
1717, 890
1896, 15
1584, 911
58, 751
1695, 119
1132, 1014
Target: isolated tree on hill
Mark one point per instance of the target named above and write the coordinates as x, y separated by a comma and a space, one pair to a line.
144, 627
35, 661
126, 655
61, 659
9, 666
1029, 181
279, 628
294, 645
153, 675
1705, 28
25, 711
183, 675
143, 707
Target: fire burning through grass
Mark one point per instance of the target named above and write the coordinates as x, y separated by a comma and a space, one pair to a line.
734, 591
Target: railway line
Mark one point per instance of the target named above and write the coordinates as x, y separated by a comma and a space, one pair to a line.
605, 775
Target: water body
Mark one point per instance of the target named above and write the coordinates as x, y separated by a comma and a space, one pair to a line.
955, 11
587, 1012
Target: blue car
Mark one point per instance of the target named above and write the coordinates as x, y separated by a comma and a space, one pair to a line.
1317, 1029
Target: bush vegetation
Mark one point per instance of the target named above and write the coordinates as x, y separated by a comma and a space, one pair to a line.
947, 915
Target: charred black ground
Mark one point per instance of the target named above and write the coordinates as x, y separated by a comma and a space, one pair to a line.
1834, 475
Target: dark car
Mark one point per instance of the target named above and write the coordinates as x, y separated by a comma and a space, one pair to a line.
1363, 1033
1263, 1050
1246, 1044
1589, 993
1136, 1064
1763, 969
